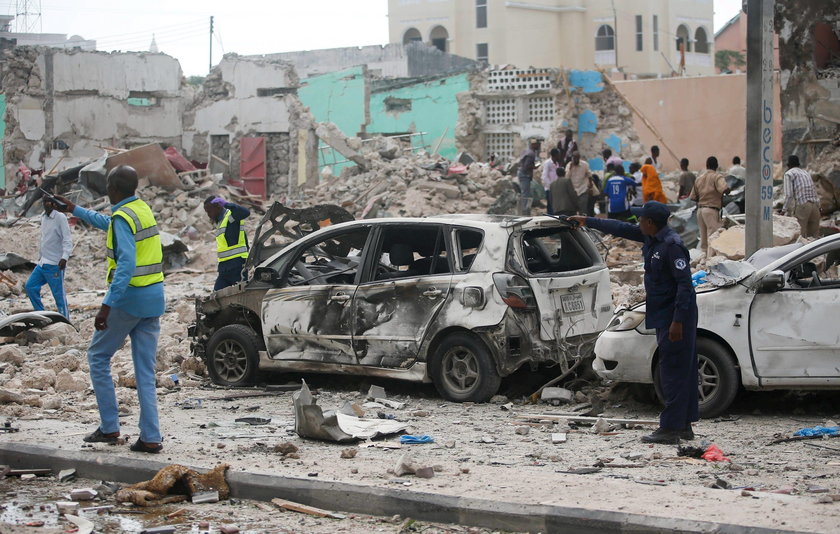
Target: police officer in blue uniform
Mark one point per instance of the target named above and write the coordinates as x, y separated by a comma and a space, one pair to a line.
671, 309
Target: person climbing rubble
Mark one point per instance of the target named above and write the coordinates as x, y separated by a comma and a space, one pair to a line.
132, 307
56, 246
231, 241
671, 306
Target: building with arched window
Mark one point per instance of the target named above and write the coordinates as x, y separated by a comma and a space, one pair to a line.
650, 37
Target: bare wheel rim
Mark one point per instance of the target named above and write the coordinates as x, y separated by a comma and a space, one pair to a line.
460, 369
230, 361
708, 378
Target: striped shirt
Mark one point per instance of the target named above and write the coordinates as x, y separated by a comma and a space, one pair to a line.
799, 189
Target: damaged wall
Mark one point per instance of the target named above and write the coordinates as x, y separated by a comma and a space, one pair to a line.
388, 61
809, 58
506, 107
698, 117
70, 98
244, 97
429, 106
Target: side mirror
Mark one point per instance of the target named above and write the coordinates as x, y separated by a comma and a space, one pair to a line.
267, 275
772, 282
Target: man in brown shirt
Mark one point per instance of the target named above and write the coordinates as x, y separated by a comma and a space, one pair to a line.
708, 192
578, 172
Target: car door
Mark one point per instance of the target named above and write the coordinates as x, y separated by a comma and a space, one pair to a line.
793, 331
309, 316
394, 306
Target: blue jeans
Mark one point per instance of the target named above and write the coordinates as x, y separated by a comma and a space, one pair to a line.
52, 275
144, 332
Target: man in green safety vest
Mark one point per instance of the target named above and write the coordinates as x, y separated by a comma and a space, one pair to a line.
231, 241
131, 308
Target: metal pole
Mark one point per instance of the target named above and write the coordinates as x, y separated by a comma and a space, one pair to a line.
759, 187
211, 44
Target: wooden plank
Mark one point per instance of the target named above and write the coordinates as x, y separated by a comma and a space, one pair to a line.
304, 509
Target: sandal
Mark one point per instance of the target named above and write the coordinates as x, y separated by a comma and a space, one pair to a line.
98, 436
142, 446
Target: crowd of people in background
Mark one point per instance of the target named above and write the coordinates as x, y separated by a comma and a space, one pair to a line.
572, 188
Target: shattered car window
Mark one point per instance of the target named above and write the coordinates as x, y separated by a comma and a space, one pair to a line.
411, 251
335, 260
557, 250
467, 242
820, 271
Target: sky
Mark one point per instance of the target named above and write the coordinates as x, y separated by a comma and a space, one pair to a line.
182, 27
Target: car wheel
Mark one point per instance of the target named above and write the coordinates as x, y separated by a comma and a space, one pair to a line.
718, 379
463, 369
232, 357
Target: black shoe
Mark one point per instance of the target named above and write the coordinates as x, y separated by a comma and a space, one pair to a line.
142, 446
687, 434
98, 436
663, 436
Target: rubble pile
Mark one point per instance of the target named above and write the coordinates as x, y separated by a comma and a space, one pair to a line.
396, 182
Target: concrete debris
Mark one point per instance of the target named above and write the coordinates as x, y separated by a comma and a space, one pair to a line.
83, 494
12, 354
558, 437
376, 392
601, 425
522, 430
66, 475
557, 396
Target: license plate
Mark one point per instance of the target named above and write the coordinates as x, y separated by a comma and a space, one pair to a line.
572, 303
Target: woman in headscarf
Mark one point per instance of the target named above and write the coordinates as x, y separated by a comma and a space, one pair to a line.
651, 185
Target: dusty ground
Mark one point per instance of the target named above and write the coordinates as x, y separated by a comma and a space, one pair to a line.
477, 450
33, 502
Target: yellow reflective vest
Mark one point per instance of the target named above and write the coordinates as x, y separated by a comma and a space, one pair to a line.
228, 252
148, 266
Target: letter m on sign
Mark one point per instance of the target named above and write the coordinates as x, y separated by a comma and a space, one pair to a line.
252, 165
768, 213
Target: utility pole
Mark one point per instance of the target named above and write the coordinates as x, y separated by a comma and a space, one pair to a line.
759, 187
615, 33
211, 45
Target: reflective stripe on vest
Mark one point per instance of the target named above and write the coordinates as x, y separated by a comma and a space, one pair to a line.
227, 252
148, 267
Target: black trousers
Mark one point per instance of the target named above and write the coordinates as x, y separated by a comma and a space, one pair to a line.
230, 273
678, 377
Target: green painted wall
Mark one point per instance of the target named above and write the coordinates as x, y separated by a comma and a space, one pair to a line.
339, 98
2, 136
433, 109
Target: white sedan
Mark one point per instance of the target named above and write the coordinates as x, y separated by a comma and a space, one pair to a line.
772, 327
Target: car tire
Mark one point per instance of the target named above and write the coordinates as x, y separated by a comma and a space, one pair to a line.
718, 378
463, 369
232, 355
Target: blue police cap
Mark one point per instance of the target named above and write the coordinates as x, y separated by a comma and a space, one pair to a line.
656, 211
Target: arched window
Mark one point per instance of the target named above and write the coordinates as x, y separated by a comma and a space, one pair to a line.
439, 37
683, 36
701, 41
411, 35
605, 38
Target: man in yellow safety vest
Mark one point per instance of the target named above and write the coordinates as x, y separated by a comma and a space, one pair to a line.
231, 241
132, 307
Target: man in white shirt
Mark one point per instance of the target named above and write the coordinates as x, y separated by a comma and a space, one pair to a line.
737, 170
56, 245
549, 175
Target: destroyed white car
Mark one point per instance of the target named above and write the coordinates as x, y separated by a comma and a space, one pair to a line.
770, 324
458, 300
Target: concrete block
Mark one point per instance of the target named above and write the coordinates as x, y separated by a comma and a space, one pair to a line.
561, 395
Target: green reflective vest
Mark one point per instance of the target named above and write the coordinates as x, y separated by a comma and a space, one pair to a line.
228, 252
148, 267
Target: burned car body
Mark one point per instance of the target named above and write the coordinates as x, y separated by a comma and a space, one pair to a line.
458, 300
767, 325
